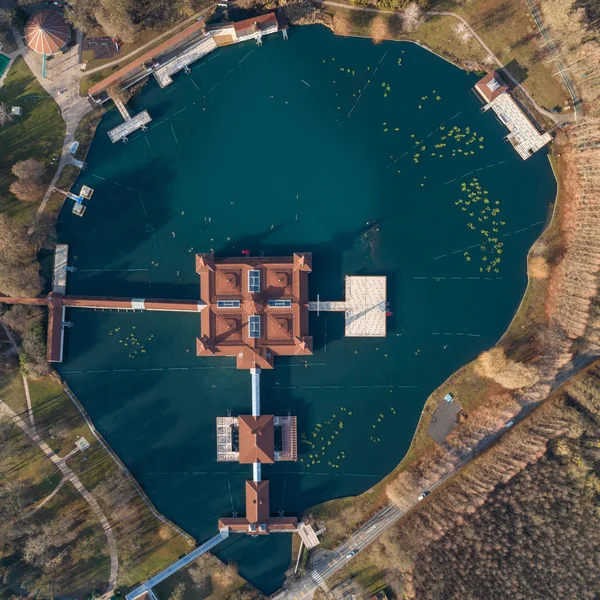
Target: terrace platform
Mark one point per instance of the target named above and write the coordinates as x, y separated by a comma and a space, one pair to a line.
364, 307
120, 132
59, 274
195, 52
524, 136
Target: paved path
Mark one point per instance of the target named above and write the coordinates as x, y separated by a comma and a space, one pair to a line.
70, 476
552, 116
326, 563
62, 84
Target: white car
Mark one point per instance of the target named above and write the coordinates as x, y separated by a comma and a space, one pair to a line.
351, 554
424, 495
510, 423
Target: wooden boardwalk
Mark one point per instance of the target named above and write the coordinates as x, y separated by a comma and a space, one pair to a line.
364, 307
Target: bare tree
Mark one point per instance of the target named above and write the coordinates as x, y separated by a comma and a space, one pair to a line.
379, 29
412, 16
341, 24
179, 592
27, 191
512, 375
5, 115
463, 32
29, 170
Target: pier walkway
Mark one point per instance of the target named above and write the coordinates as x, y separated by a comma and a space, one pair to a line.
195, 52
364, 306
177, 565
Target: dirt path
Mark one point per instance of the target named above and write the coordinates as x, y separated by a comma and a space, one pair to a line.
48, 497
553, 117
25, 384
70, 476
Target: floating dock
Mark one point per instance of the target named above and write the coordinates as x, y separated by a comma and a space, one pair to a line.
195, 52
364, 307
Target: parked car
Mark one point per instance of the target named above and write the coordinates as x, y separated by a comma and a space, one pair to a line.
424, 494
448, 398
510, 423
351, 554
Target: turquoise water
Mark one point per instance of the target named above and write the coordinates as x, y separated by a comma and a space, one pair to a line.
297, 145
4, 60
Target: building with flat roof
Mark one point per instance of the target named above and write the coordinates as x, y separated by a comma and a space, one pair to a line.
524, 136
256, 308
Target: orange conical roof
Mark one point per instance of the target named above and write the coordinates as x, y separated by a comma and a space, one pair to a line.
47, 32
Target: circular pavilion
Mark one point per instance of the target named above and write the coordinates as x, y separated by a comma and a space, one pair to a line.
47, 32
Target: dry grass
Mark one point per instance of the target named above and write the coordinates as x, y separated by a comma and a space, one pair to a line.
539, 268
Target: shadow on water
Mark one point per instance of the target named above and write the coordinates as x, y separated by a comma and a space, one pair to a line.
327, 277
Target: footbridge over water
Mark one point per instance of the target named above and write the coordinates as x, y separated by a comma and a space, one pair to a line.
146, 588
57, 302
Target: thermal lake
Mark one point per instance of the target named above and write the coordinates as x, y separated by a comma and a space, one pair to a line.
375, 158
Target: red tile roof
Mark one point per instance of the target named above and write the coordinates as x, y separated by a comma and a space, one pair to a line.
138, 63
257, 439
491, 86
257, 501
283, 330
256, 23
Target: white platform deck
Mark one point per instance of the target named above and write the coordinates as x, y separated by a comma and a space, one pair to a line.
192, 54
524, 137
364, 307
128, 127
59, 275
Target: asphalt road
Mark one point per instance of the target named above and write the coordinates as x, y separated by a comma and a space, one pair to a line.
326, 563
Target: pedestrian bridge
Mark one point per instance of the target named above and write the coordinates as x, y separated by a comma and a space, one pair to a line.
146, 588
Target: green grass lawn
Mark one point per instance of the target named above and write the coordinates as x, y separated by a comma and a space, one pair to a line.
12, 391
505, 26
37, 134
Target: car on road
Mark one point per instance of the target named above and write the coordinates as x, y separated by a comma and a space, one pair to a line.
351, 554
424, 495
510, 423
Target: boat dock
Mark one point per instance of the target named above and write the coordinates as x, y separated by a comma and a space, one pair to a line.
130, 124
195, 52
364, 308
59, 274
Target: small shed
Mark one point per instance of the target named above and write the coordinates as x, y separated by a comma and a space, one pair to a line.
16, 111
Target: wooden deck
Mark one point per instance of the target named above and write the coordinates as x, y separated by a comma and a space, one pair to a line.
364, 307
